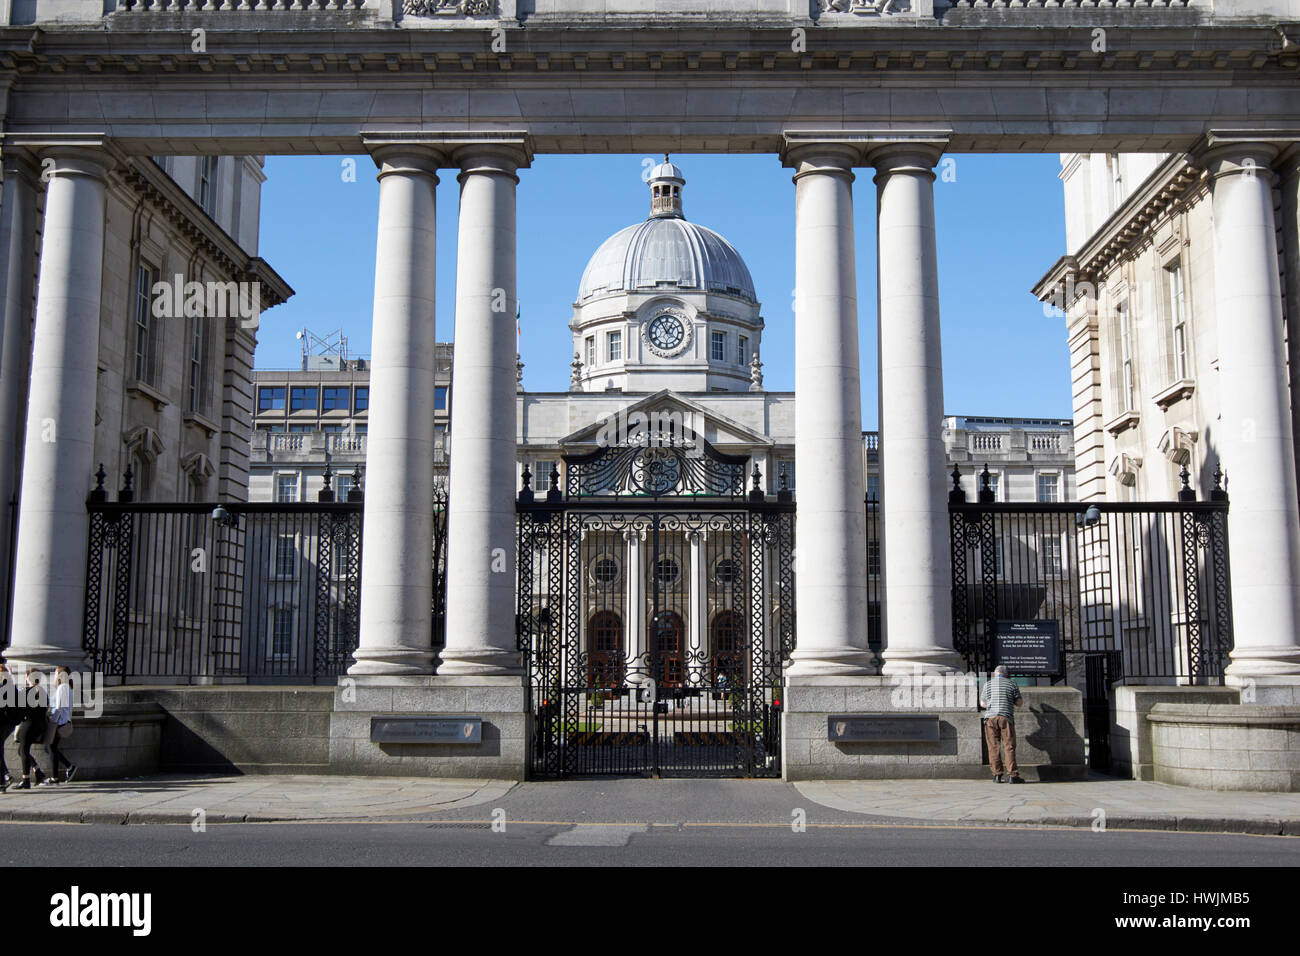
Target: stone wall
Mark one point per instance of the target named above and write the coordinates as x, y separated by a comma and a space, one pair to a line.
124, 741
1049, 735
1226, 747
1130, 733
240, 729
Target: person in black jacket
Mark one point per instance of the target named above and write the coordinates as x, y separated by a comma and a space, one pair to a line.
35, 720
10, 717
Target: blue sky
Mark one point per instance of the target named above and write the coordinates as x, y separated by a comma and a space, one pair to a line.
1000, 227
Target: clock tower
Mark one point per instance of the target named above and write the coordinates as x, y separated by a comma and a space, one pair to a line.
665, 303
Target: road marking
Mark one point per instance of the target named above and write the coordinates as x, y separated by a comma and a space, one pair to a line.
598, 834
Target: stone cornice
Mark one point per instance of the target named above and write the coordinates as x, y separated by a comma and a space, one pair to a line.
188, 218
162, 44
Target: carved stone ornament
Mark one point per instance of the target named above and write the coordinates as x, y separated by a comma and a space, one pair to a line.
432, 8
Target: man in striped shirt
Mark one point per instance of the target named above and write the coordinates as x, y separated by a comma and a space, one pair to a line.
1000, 698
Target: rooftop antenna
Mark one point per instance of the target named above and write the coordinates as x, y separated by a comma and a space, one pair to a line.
329, 350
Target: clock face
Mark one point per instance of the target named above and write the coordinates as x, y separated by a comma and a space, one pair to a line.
666, 332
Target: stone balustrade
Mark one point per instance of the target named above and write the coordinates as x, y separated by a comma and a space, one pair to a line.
236, 6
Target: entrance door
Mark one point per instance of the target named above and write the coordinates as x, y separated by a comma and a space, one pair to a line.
667, 634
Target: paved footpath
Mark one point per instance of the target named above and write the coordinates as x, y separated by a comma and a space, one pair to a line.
1126, 804
1123, 804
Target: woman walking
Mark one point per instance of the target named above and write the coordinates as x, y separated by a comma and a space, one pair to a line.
61, 718
10, 716
32, 729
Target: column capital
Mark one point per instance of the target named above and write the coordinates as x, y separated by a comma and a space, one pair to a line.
1232, 152
21, 163
918, 157
864, 146
410, 158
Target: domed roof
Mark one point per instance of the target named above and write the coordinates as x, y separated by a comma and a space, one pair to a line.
666, 251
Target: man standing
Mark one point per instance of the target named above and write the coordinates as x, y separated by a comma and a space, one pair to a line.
1000, 698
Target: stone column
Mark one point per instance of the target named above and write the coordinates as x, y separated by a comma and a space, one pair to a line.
1258, 448
396, 556
49, 588
831, 580
18, 236
917, 571
1289, 176
481, 506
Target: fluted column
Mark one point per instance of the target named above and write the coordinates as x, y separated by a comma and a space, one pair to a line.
831, 580
1255, 403
18, 239
481, 505
396, 569
914, 502
49, 590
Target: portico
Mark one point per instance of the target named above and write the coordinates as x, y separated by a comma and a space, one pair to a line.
428, 100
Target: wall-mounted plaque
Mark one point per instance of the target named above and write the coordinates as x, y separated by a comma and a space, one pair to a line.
425, 729
882, 728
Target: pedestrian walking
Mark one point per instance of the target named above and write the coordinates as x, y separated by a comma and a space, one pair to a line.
10, 717
32, 729
61, 721
1000, 697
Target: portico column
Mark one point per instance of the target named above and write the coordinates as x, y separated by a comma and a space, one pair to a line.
633, 640
697, 645
831, 580
18, 235
49, 590
1259, 456
914, 502
481, 505
396, 573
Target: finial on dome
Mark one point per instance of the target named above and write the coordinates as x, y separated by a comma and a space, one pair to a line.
666, 182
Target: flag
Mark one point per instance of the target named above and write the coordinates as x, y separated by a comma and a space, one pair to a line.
518, 330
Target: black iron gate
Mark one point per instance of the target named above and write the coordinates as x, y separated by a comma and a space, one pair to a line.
656, 610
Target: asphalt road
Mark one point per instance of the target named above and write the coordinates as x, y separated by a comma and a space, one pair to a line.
634, 823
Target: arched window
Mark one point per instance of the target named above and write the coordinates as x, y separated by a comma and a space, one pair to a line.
726, 646
605, 664
666, 634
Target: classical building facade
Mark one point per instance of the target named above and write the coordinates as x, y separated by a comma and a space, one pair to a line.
170, 384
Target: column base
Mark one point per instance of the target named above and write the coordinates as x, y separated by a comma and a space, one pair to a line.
818, 662
43, 657
1278, 660
497, 701
375, 661
484, 662
916, 662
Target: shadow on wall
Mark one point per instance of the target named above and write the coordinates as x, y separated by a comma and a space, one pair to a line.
1056, 739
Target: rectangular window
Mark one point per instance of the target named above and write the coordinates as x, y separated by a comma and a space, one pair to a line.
873, 558
614, 342
286, 487
591, 350
873, 487
1049, 488
995, 486
270, 398
198, 359
145, 277
1177, 320
1049, 550
542, 474
742, 351
302, 398
1127, 370
335, 397
302, 429
342, 485
208, 184
286, 556
997, 557
282, 632
718, 346
361, 399
785, 468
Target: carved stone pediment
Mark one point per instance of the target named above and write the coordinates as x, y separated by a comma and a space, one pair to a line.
878, 8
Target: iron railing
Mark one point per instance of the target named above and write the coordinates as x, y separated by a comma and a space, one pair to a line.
1147, 583
231, 592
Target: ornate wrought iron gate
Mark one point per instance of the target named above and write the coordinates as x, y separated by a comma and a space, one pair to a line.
656, 610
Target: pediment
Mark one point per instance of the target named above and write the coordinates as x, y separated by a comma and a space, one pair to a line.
667, 408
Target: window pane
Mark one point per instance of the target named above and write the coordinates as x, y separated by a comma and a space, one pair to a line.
440, 397
718, 346
333, 397
301, 398
615, 346
361, 402
270, 398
